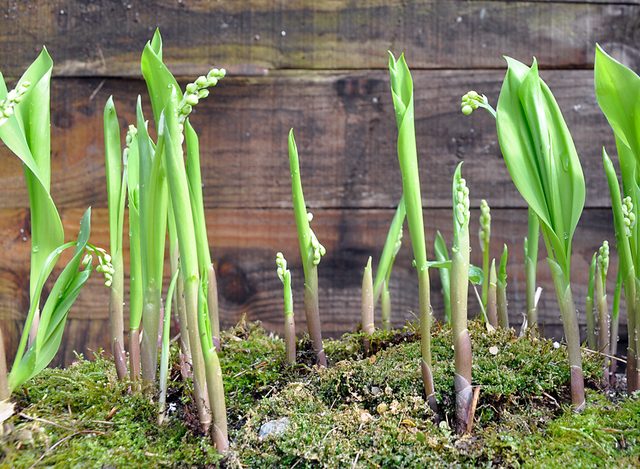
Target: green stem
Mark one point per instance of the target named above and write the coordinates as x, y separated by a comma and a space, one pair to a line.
501, 290
116, 315
589, 304
310, 253
571, 332
385, 306
390, 250
461, 339
603, 322
368, 326
402, 95
492, 297
185, 230
615, 321
531, 265
164, 354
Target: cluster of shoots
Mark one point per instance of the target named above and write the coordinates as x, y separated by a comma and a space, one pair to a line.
159, 181
161, 184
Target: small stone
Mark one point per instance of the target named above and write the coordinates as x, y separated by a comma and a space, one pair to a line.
493, 350
365, 416
273, 427
375, 390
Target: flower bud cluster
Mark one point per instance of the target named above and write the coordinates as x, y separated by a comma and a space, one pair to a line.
629, 217
281, 263
104, 263
472, 101
603, 258
485, 223
461, 210
198, 90
14, 96
318, 249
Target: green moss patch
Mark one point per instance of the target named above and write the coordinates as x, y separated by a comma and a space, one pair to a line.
366, 409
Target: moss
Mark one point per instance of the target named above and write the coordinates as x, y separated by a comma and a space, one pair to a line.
367, 409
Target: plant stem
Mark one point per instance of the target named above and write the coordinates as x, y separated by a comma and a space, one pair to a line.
368, 326
195, 306
589, 304
116, 301
424, 302
615, 322
116, 193
385, 306
571, 332
402, 95
501, 291
459, 302
153, 211
485, 241
178, 299
531, 265
312, 311
391, 247
603, 322
164, 355
492, 299
311, 252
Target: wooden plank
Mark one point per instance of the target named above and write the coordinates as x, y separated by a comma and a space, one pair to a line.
252, 36
346, 135
244, 243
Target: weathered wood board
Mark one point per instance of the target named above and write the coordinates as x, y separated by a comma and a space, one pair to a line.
346, 135
105, 38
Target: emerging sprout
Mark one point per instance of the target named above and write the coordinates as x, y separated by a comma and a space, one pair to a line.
484, 235
289, 324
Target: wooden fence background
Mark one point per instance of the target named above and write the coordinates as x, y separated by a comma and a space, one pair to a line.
319, 67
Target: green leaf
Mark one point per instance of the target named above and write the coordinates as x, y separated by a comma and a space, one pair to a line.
618, 93
442, 254
194, 178
402, 95
160, 81
55, 311
26, 134
541, 156
476, 276
502, 269
113, 169
390, 250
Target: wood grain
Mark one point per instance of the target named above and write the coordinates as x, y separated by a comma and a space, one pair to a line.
345, 131
244, 243
252, 36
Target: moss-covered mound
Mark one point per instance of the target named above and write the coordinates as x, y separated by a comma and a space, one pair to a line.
366, 410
